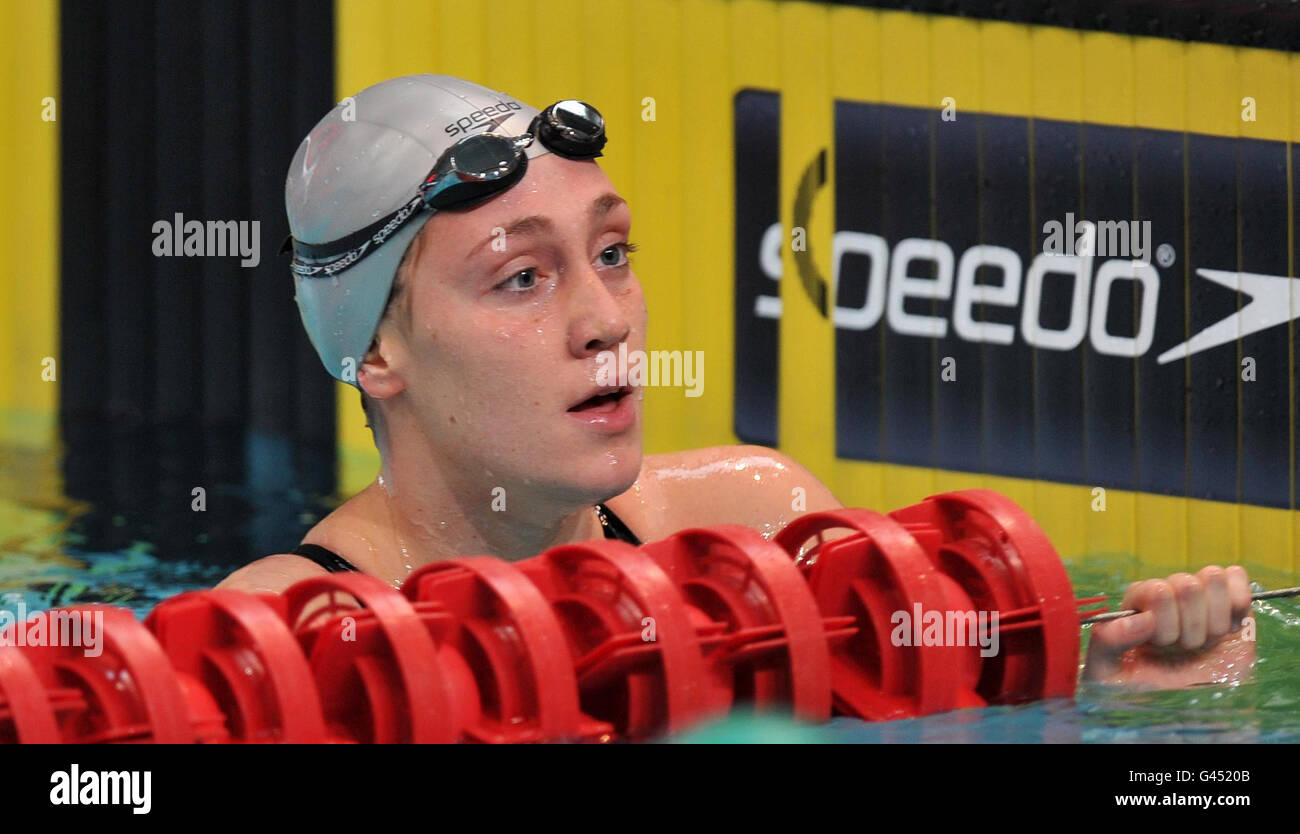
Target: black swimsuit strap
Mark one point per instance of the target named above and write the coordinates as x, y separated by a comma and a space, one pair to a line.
614, 527
610, 524
326, 558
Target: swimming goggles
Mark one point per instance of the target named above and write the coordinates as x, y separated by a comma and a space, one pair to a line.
469, 172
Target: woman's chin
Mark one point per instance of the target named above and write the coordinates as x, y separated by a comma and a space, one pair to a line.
613, 473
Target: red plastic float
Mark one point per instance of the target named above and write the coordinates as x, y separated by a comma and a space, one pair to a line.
870, 574
594, 641
237, 651
513, 671
26, 712
774, 649
1004, 562
128, 692
634, 643
376, 667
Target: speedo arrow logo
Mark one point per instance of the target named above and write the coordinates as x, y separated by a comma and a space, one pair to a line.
1274, 300
481, 118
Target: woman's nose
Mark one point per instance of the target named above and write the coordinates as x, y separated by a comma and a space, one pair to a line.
598, 321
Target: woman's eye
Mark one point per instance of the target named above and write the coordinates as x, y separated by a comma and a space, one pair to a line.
616, 255
520, 281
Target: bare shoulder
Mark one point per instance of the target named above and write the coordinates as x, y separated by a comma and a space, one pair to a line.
272, 574
755, 486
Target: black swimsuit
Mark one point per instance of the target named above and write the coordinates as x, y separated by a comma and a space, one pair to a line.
329, 560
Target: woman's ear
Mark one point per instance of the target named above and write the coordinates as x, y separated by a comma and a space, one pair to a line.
378, 375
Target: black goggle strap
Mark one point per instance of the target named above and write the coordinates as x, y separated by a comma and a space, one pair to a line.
315, 260
326, 259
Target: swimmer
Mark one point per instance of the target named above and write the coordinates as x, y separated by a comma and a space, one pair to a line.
462, 259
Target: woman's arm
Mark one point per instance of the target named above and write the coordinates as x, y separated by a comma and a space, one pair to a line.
751, 485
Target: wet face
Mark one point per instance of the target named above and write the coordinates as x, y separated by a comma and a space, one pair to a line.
511, 305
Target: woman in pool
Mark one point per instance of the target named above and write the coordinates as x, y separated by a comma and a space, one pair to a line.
468, 294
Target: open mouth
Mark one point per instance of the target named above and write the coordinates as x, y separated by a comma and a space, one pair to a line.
602, 403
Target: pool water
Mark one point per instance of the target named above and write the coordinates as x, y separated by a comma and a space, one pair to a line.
55, 551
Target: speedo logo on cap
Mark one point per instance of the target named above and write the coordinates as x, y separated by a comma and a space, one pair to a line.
488, 117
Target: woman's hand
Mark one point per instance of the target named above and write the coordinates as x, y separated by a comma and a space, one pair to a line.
1189, 632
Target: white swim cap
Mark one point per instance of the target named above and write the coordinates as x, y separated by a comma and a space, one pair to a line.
364, 161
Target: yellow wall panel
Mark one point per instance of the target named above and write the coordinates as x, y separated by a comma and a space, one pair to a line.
1056, 56
657, 196
513, 50
957, 65
1108, 78
904, 58
1264, 79
707, 310
853, 38
412, 30
806, 357
1005, 68
29, 159
462, 35
1160, 77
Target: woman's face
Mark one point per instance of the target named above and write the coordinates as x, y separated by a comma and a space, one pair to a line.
511, 304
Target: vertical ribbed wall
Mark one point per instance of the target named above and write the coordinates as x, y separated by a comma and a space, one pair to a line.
186, 371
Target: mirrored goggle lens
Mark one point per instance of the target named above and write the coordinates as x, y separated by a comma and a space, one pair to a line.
581, 118
484, 157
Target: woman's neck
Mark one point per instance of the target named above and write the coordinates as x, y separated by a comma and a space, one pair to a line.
433, 516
